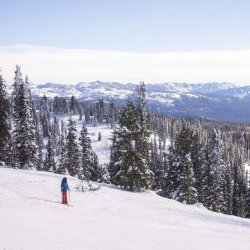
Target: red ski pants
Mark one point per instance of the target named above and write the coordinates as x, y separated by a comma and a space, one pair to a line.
64, 197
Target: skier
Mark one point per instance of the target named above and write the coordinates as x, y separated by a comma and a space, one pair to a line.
64, 189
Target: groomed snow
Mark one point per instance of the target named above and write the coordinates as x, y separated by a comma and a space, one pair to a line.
31, 217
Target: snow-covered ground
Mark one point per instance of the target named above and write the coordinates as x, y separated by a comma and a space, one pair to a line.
31, 217
102, 147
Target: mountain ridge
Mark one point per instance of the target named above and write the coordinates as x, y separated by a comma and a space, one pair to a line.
213, 100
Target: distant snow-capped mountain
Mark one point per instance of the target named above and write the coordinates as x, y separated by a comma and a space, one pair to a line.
223, 101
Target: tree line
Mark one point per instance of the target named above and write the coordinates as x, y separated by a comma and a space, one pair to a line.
189, 160
26, 126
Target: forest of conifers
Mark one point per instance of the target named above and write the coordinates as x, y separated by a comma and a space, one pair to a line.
190, 160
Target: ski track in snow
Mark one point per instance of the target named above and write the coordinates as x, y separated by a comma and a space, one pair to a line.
32, 217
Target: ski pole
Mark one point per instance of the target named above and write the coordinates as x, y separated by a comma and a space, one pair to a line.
69, 196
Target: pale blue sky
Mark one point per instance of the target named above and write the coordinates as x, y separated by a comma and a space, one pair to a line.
127, 25
126, 40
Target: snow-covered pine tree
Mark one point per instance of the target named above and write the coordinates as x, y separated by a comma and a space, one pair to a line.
17, 81
24, 133
10, 155
4, 120
229, 159
214, 180
239, 183
129, 168
111, 114
142, 142
55, 135
94, 116
99, 136
169, 183
244, 176
39, 142
97, 172
86, 166
154, 159
60, 105
87, 113
104, 174
80, 112
157, 162
236, 191
49, 163
247, 204
62, 165
40, 155
73, 157
180, 181
187, 192
243, 194
45, 117
100, 113
198, 160
141, 109
73, 106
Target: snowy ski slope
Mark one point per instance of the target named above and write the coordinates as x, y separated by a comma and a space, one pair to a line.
32, 218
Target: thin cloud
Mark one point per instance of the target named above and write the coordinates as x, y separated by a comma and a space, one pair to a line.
48, 64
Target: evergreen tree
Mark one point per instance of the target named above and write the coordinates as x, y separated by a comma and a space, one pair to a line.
62, 166
40, 156
187, 192
214, 180
129, 166
100, 110
18, 79
180, 181
99, 136
24, 134
80, 113
45, 117
86, 155
229, 159
103, 173
56, 135
60, 105
239, 184
142, 132
72, 155
228, 192
49, 163
112, 114
97, 171
247, 204
4, 121
197, 155
87, 113
10, 154
157, 162
73, 106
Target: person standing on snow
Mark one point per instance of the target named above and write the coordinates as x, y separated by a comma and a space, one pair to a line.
64, 189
